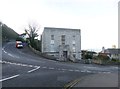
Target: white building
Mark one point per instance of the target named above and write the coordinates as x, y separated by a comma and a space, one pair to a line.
63, 43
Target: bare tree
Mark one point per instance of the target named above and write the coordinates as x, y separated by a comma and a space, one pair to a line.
32, 32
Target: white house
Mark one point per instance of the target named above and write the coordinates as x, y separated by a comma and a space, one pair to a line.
63, 43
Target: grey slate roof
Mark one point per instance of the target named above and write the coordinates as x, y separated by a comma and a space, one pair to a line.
55, 28
113, 51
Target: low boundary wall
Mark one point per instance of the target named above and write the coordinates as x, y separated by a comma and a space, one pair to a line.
42, 54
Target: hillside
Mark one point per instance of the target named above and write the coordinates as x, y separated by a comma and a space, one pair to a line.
8, 33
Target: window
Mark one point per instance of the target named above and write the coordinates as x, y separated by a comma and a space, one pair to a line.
52, 42
73, 37
73, 49
63, 39
73, 45
73, 42
52, 47
52, 37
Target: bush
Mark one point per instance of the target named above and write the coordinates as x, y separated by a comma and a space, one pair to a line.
36, 45
103, 57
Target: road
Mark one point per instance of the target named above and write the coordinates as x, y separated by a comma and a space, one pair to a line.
23, 68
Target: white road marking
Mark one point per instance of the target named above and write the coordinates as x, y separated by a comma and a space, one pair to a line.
106, 72
83, 71
37, 67
9, 78
9, 53
33, 69
12, 55
76, 70
5, 51
90, 67
51, 68
115, 67
12, 63
3, 48
88, 71
30, 65
63, 69
70, 70
18, 64
59, 69
24, 65
44, 67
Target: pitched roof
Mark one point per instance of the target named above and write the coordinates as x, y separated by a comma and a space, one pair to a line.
113, 51
55, 28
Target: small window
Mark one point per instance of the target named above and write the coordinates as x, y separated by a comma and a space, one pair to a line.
73, 45
52, 37
73, 42
52, 42
63, 39
73, 49
73, 37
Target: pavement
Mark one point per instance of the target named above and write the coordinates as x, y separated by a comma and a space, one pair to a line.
99, 80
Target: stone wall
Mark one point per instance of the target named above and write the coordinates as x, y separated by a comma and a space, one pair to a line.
42, 54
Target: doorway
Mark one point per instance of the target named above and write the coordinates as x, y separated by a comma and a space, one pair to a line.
65, 54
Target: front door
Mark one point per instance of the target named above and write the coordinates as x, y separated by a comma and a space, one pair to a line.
65, 54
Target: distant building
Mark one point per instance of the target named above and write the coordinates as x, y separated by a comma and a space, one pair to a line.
113, 53
63, 43
24, 36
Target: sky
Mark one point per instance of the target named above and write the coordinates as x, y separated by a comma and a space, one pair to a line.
97, 19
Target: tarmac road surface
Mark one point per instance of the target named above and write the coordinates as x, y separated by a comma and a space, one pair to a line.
23, 68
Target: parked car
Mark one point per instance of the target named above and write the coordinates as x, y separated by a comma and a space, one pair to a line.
19, 44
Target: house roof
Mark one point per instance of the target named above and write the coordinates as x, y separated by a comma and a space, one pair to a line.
113, 51
55, 28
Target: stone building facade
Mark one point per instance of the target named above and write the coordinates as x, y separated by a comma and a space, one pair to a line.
63, 43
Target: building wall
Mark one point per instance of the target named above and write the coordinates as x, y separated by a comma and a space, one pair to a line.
69, 40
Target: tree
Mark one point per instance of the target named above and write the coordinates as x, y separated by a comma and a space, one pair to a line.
32, 33
87, 54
